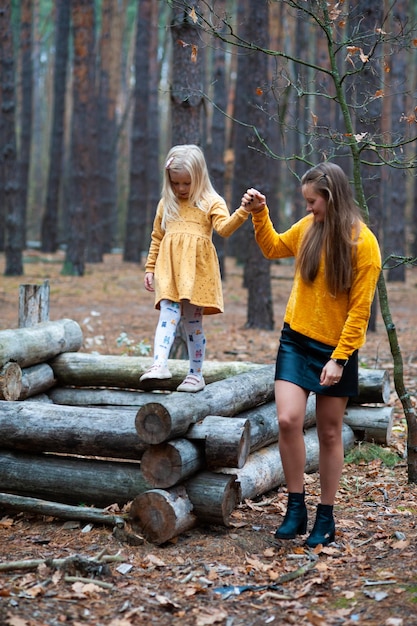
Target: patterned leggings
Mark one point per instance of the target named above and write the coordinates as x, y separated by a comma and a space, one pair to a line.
169, 317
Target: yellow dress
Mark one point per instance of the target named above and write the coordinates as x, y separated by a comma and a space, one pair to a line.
183, 257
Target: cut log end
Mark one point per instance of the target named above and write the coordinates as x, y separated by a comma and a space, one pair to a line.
10, 382
153, 423
161, 515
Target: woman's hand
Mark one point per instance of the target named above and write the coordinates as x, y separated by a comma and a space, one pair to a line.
253, 201
331, 374
149, 281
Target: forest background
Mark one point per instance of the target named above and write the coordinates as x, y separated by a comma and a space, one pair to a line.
93, 94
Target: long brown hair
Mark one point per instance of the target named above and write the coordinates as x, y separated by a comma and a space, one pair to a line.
337, 235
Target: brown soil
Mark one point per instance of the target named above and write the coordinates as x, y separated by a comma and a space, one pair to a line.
214, 575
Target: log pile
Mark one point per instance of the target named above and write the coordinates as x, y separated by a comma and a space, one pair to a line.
99, 436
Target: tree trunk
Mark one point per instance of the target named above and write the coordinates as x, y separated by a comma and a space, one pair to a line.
49, 230
8, 156
26, 21
396, 188
187, 84
171, 417
138, 186
81, 176
70, 480
217, 148
110, 58
40, 427
91, 370
29, 346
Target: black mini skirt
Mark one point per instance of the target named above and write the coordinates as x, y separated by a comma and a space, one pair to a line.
300, 360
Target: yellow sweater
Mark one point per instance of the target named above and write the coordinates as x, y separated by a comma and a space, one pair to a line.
340, 321
183, 257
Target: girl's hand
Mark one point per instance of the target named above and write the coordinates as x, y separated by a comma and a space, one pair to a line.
253, 201
149, 281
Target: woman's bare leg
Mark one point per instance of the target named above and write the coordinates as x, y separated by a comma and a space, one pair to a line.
291, 402
329, 416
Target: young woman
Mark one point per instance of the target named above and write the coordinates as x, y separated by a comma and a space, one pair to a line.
182, 267
337, 267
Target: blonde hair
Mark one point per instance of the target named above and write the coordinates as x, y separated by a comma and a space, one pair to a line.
337, 235
186, 158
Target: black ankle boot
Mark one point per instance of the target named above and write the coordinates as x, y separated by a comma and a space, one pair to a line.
295, 520
324, 527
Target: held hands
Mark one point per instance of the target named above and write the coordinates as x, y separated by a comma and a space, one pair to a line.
149, 281
253, 201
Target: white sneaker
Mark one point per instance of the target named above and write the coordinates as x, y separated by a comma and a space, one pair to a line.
192, 383
158, 372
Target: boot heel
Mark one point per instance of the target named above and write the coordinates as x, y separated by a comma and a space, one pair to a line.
295, 520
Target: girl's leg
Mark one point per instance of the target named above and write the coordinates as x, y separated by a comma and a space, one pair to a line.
196, 344
196, 341
169, 318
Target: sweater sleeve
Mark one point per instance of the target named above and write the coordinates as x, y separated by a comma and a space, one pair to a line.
156, 238
276, 245
361, 296
223, 223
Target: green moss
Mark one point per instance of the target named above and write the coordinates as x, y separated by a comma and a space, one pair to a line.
366, 452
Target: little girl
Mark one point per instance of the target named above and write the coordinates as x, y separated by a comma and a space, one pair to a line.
182, 267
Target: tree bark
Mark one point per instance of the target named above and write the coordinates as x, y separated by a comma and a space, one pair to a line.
90, 370
29, 346
33, 304
40, 427
136, 220
171, 417
10, 382
26, 106
49, 228
71, 480
14, 226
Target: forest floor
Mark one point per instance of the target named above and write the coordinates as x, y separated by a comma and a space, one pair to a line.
236, 576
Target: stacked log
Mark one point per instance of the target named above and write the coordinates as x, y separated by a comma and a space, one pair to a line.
181, 459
